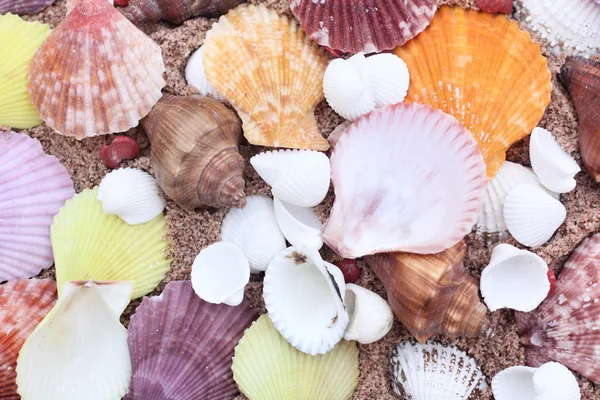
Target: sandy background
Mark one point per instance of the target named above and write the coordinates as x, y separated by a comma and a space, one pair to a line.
191, 232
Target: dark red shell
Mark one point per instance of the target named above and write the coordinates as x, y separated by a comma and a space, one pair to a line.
176, 11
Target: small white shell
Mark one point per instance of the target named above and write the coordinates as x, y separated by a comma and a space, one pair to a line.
389, 78
220, 273
553, 166
532, 215
515, 279
132, 195
255, 231
300, 225
371, 317
195, 76
298, 177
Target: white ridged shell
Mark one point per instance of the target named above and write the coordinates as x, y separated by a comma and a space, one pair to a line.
371, 317
300, 225
195, 76
389, 78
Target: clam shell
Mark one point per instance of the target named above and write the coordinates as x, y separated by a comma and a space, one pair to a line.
300, 225
271, 73
449, 65
532, 215
255, 231
23, 7
106, 72
303, 296
371, 317
196, 76
266, 367
132, 195
19, 40
432, 371
89, 244
418, 192
33, 187
363, 26
389, 78
181, 346
23, 304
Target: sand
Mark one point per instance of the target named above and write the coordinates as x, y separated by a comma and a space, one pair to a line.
190, 232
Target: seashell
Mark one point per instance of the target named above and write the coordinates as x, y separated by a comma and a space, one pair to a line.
33, 187
195, 76
195, 151
298, 177
495, 6
553, 166
219, 274
255, 231
303, 296
271, 73
398, 197
515, 279
181, 346
23, 304
582, 79
101, 91
300, 225
389, 78
175, 11
23, 7
367, 27
432, 294
449, 67
532, 215
82, 333
132, 195
121, 148
89, 244
267, 367
432, 371
563, 327
564, 26
19, 40
371, 317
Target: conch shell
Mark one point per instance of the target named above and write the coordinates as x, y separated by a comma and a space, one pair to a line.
195, 151
176, 11
432, 293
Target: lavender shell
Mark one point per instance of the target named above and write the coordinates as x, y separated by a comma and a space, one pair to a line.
24, 7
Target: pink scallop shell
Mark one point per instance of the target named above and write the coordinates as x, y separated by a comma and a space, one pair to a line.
23, 7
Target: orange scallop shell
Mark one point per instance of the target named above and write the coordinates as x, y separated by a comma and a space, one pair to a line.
485, 71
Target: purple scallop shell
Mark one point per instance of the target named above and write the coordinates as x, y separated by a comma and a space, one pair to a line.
24, 7
33, 187
181, 347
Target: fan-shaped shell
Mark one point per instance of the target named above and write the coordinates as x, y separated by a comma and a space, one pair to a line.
467, 63
181, 346
271, 73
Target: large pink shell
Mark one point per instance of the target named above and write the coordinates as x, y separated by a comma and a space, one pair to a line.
33, 187
361, 25
182, 347
23, 7
407, 178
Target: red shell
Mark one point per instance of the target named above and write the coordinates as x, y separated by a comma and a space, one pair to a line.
349, 269
495, 6
121, 148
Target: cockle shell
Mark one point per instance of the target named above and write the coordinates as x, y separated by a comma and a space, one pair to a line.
449, 65
420, 191
300, 225
96, 73
271, 73
196, 76
181, 346
176, 11
33, 187
23, 7
371, 317
363, 26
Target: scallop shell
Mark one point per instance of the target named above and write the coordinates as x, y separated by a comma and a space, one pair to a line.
19, 40
23, 7
266, 367
23, 304
450, 67
91, 245
106, 72
181, 346
418, 192
300, 225
196, 76
363, 26
371, 317
271, 73
432, 371
33, 187
132, 195
255, 231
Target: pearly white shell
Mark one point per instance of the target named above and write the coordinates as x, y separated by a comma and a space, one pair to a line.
389, 78
195, 76
300, 225
371, 317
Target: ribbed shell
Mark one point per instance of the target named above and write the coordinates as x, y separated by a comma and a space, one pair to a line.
176, 11
23, 7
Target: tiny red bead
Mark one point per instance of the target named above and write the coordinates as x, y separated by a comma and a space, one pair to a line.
122, 148
349, 269
552, 280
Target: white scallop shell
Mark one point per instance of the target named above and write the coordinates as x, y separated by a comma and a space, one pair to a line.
304, 300
389, 78
255, 231
532, 215
552, 165
195, 76
300, 225
220, 273
131, 194
515, 279
298, 177
371, 317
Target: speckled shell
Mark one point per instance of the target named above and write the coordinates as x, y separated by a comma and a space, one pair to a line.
96, 73
467, 63
23, 7
271, 73
176, 11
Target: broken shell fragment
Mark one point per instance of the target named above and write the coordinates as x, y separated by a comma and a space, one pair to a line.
175, 11
196, 76
371, 317
300, 225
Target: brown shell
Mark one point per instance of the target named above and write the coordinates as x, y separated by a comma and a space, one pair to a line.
176, 11
432, 293
195, 151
